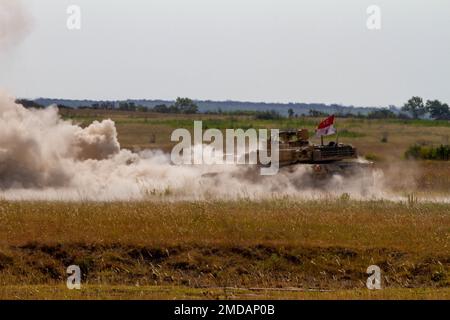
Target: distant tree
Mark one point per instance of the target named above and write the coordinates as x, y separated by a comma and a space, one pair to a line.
127, 106
105, 105
141, 108
383, 113
438, 110
185, 105
316, 113
415, 106
291, 113
161, 108
267, 115
174, 109
344, 115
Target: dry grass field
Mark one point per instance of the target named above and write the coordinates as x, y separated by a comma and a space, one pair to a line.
233, 245
274, 248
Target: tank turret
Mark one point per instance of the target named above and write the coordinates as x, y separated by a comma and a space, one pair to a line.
294, 147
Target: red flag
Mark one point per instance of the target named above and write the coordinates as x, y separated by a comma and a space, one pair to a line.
326, 127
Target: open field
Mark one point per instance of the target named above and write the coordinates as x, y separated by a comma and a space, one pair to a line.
272, 248
190, 249
383, 141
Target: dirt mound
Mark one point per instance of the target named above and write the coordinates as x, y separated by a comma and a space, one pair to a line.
330, 268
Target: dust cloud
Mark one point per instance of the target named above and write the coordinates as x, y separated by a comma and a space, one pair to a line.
43, 157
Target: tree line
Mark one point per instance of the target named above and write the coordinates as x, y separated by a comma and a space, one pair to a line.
181, 105
435, 108
414, 108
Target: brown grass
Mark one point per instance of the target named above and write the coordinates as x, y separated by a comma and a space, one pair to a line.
269, 244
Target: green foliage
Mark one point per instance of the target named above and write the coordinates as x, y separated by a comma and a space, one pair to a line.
181, 105
141, 109
268, 115
185, 105
438, 110
383, 113
233, 112
161, 108
415, 106
420, 122
316, 114
345, 133
428, 152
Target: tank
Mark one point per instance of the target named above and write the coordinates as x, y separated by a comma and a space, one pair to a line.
324, 159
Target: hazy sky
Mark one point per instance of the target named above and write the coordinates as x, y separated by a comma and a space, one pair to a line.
253, 50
